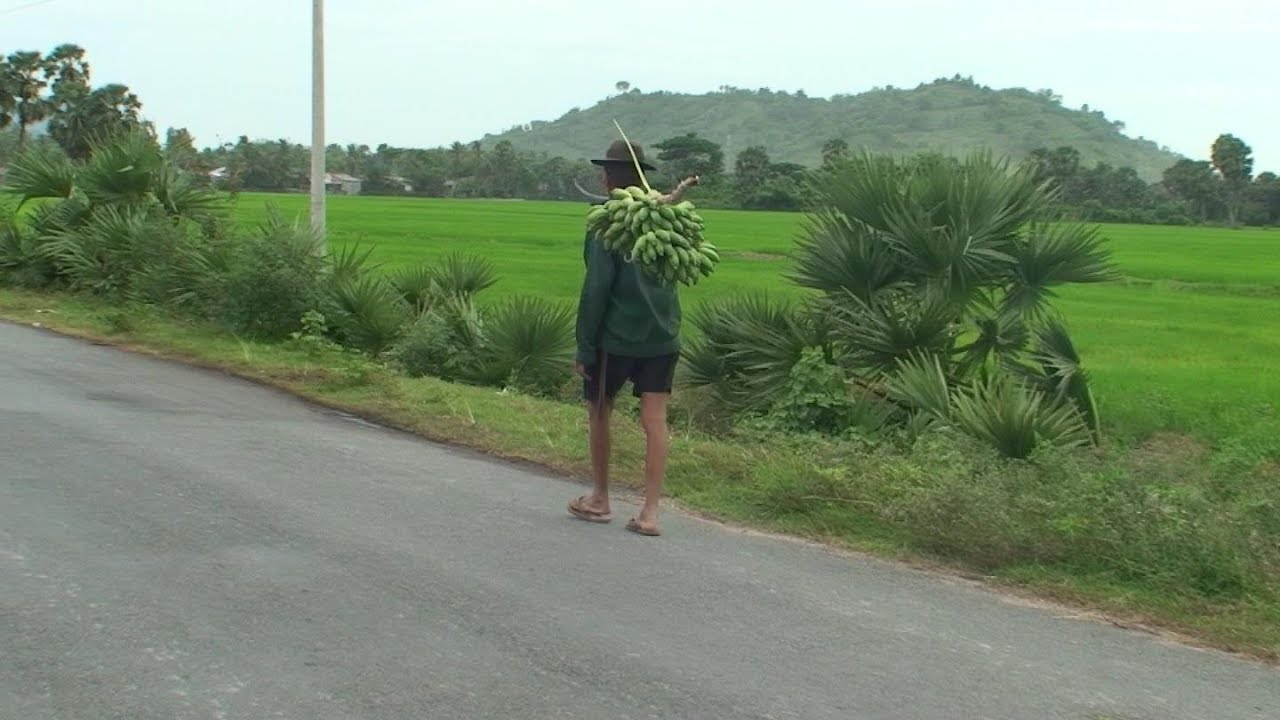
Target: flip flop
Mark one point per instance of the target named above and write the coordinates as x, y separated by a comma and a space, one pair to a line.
634, 526
577, 510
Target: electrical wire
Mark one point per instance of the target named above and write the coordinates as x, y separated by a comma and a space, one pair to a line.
25, 6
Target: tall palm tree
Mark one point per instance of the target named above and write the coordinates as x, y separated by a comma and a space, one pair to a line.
23, 81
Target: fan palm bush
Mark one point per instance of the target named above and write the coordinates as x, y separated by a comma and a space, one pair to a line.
123, 223
930, 283
368, 313
526, 343
529, 344
463, 275
744, 347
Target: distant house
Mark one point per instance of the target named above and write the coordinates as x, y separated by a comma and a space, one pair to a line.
401, 182
221, 173
342, 183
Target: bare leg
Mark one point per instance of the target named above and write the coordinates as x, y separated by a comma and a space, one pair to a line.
598, 422
653, 416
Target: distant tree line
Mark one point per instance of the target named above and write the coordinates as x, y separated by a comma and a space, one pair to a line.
53, 91
1222, 189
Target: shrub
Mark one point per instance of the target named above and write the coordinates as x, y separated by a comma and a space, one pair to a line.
125, 224
744, 347
417, 285
529, 344
945, 259
21, 262
819, 398
444, 342
368, 313
273, 278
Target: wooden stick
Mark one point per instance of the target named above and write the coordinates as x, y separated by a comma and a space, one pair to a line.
674, 196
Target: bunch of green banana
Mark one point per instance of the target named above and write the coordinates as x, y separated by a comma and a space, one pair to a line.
664, 239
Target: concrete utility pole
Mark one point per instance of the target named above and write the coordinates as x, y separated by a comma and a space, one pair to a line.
317, 121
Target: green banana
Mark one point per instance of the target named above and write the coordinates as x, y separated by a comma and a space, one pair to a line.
666, 241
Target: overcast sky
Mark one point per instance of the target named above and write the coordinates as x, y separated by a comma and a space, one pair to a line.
428, 72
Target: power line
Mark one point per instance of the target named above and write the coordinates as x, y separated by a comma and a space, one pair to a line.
26, 6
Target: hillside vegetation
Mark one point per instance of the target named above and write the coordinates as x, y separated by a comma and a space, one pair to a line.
950, 115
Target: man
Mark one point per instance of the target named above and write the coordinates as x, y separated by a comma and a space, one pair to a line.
628, 330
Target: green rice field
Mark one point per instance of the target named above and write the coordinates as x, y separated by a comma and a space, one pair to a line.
1188, 343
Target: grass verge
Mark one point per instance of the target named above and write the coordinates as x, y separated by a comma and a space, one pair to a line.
922, 508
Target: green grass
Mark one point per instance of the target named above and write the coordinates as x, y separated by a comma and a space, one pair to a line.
1186, 344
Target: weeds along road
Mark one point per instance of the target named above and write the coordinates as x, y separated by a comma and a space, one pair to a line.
177, 544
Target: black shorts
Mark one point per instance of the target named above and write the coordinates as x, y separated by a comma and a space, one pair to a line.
647, 375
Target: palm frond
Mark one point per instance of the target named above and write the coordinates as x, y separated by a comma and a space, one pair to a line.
744, 348
981, 199
41, 172
1002, 336
20, 260
530, 342
1052, 255
417, 285
370, 314
47, 219
1064, 378
838, 255
349, 263
180, 197
870, 413
300, 239
123, 170
98, 255
464, 275
920, 384
878, 335
865, 189
1015, 417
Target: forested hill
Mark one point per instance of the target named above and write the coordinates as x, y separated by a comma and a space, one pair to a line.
952, 116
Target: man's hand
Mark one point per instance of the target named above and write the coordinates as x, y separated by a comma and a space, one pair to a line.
581, 370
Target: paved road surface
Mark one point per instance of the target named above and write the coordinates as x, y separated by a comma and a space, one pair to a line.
175, 544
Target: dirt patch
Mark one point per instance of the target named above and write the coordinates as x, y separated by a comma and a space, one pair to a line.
1171, 456
1269, 469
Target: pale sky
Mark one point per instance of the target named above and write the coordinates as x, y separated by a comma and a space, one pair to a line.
424, 73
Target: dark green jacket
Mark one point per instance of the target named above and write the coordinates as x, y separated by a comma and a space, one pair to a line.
624, 310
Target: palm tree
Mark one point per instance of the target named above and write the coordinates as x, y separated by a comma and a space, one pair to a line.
356, 159
23, 82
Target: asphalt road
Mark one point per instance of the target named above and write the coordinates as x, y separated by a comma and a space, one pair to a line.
177, 544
